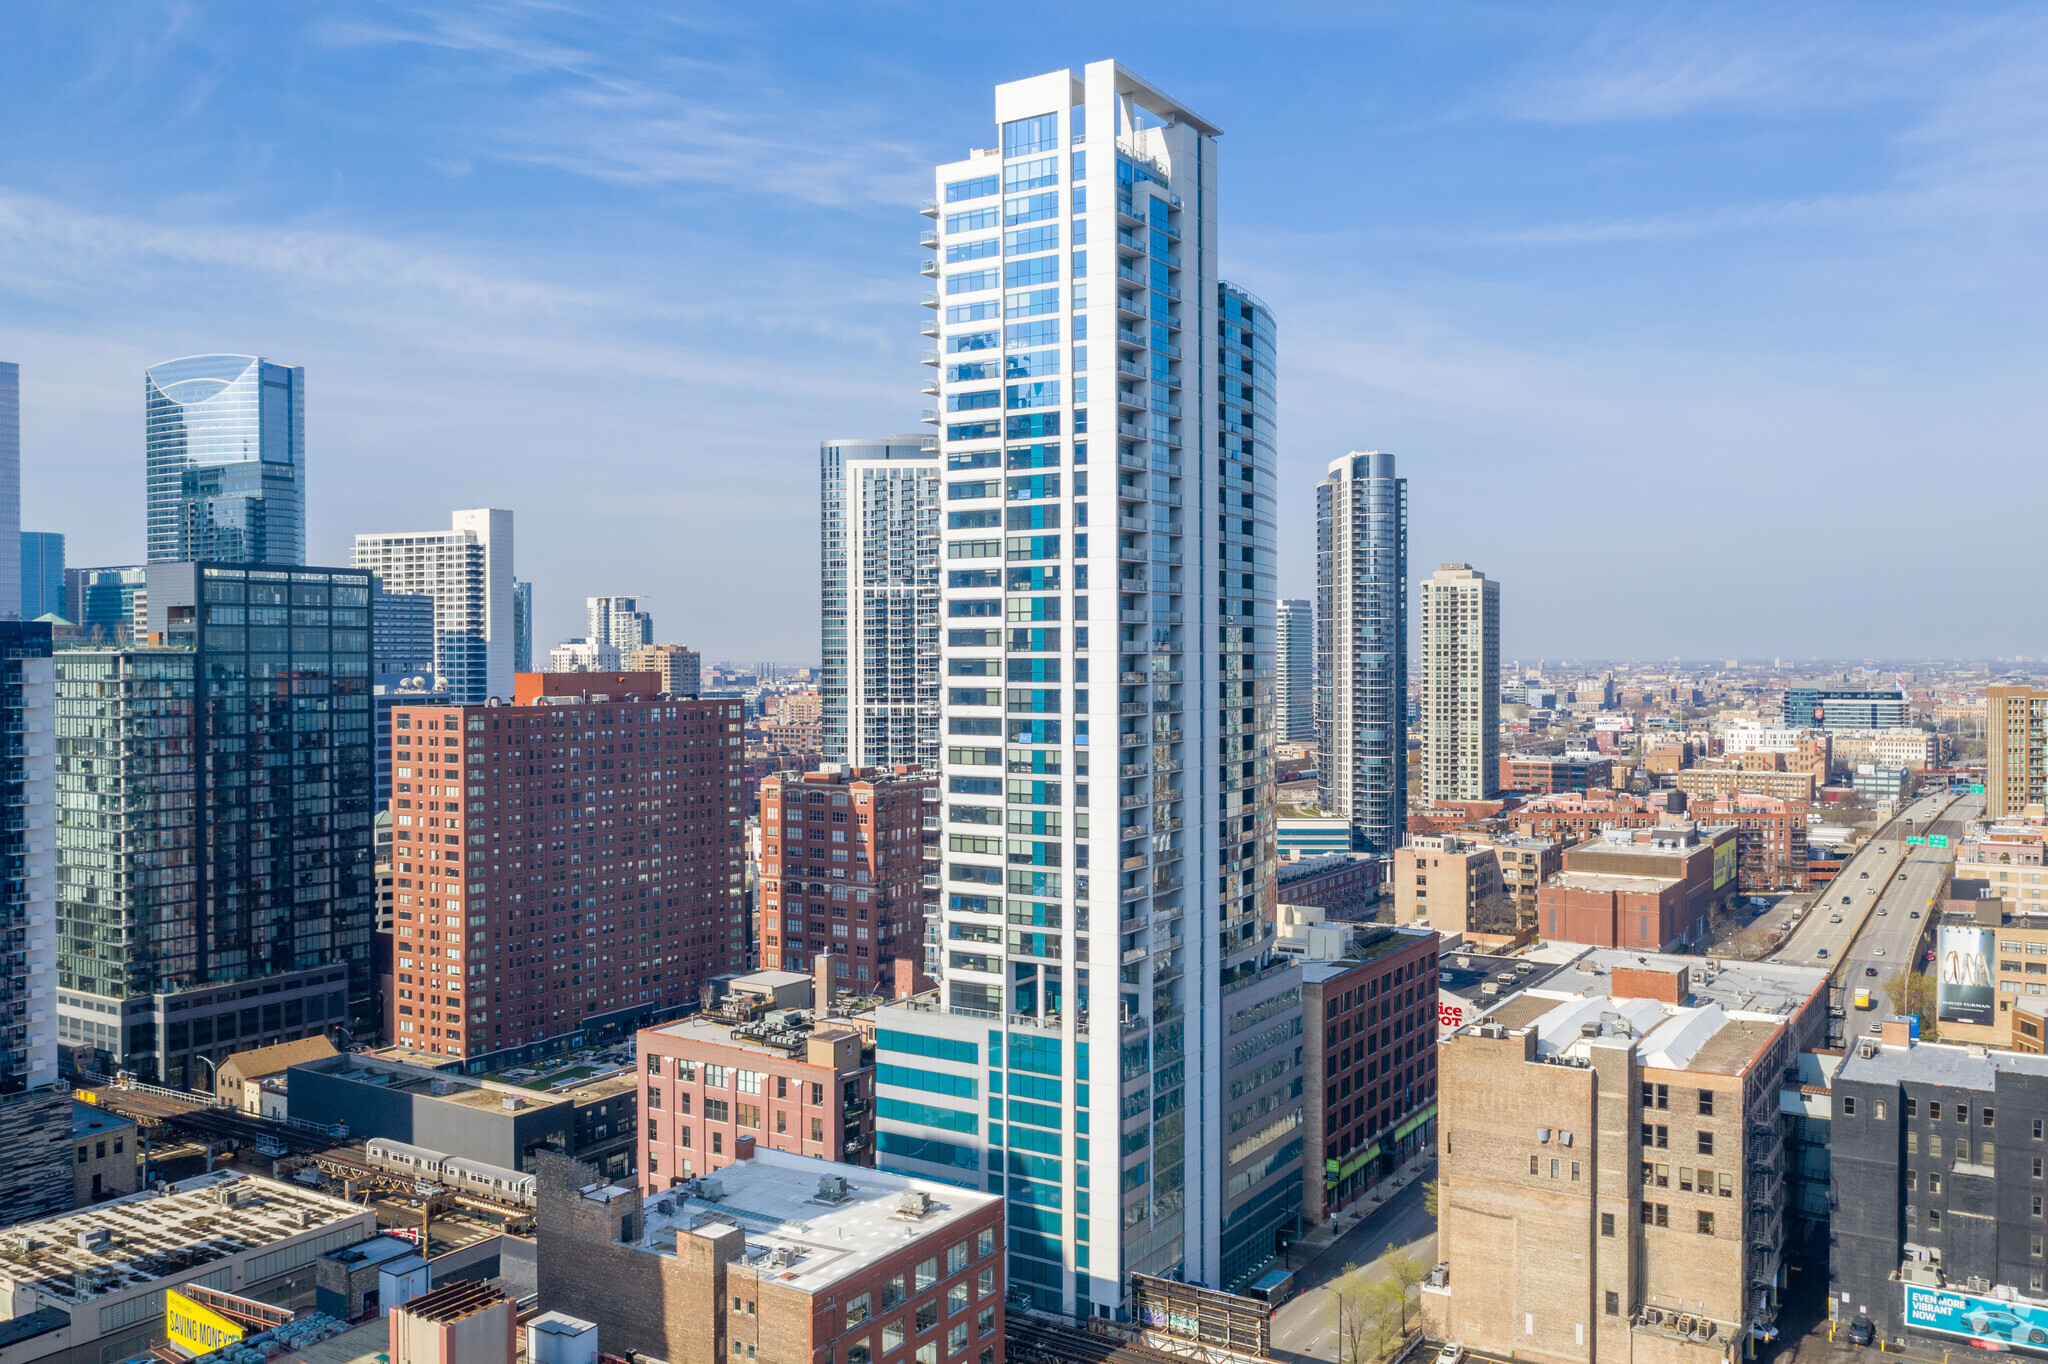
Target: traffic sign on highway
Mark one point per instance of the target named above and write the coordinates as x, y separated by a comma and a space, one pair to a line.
1937, 841
1977, 789
1916, 842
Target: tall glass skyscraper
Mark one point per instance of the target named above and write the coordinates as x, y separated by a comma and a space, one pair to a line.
10, 489
42, 573
213, 794
1362, 647
522, 626
878, 531
1295, 705
1107, 636
226, 460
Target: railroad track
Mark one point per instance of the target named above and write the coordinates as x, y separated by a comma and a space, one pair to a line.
1032, 1341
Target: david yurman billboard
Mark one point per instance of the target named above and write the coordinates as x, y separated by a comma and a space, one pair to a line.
1966, 991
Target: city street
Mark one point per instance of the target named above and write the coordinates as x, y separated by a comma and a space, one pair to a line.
1304, 1329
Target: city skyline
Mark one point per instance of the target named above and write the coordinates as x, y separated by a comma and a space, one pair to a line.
1621, 330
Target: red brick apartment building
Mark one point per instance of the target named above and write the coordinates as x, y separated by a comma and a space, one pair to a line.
567, 866
1567, 818
1770, 834
843, 869
762, 1066
1540, 774
1370, 1082
1643, 889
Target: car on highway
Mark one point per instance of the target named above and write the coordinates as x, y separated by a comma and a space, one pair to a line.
1880, 847
1912, 913
1848, 899
1834, 918
1882, 910
1877, 951
1820, 952
1864, 875
1870, 970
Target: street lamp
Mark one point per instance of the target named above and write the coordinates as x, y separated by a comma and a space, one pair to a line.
215, 1065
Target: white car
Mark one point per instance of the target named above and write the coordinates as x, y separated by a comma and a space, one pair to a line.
1452, 1353
1877, 951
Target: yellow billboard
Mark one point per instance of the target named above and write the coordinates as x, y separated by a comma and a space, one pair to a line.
194, 1329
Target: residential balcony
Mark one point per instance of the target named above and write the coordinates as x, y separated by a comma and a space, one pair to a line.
930, 269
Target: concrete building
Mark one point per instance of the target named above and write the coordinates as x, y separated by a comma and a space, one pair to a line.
467, 570
620, 622
879, 564
207, 900
1362, 646
842, 871
92, 1289
542, 932
488, 1121
583, 655
1525, 864
1543, 774
42, 572
1941, 1245
1648, 889
1846, 708
1770, 838
1072, 712
226, 457
1261, 1133
1918, 749
780, 1257
1312, 836
1458, 683
1294, 689
681, 670
35, 1152
1612, 1169
2015, 750
106, 1160
1369, 1069
1454, 882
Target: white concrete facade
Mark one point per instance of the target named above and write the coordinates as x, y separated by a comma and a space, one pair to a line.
467, 570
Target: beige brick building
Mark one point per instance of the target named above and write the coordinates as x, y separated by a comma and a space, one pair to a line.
1730, 780
2015, 770
1444, 878
1612, 1166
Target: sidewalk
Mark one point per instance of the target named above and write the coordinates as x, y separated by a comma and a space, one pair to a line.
1419, 1167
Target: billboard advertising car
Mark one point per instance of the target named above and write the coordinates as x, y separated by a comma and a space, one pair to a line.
1990, 1323
1965, 991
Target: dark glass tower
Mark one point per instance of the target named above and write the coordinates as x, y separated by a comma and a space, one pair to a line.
215, 789
226, 460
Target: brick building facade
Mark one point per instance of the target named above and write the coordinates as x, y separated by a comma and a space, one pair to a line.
1369, 1064
787, 1260
596, 880
842, 869
1569, 818
1648, 889
1770, 838
1542, 774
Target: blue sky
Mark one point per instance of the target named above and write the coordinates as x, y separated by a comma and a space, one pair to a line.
1709, 330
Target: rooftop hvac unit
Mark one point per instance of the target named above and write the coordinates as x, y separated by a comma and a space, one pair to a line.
914, 1202
711, 1190
832, 1188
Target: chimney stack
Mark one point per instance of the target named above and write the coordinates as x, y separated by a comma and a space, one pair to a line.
825, 971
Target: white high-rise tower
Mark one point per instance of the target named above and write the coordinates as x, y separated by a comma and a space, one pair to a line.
1107, 634
1457, 621
467, 570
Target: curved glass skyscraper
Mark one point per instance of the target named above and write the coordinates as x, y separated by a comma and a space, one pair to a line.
227, 445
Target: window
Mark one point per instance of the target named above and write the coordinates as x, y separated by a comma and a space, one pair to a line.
2034, 1247
1656, 1135
1706, 1103
956, 1299
927, 1274
1913, 1180
1607, 1222
985, 1244
1934, 1217
927, 1316
1656, 1214
1934, 1110
1613, 1303
1706, 1223
1912, 1108
892, 1292
1532, 1161
1656, 1096
1987, 1116
956, 1258
1849, 1106
1987, 1154
1912, 1143
984, 1321
1934, 1144
857, 1311
892, 1335
1877, 1109
1706, 1143
984, 1283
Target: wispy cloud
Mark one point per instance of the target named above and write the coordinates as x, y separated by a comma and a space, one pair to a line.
649, 117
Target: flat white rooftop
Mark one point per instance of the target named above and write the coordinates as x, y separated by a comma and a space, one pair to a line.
774, 1198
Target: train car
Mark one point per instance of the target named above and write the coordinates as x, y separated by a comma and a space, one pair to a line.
488, 1181
404, 1159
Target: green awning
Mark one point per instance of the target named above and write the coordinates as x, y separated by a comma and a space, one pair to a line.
1358, 1162
1420, 1118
